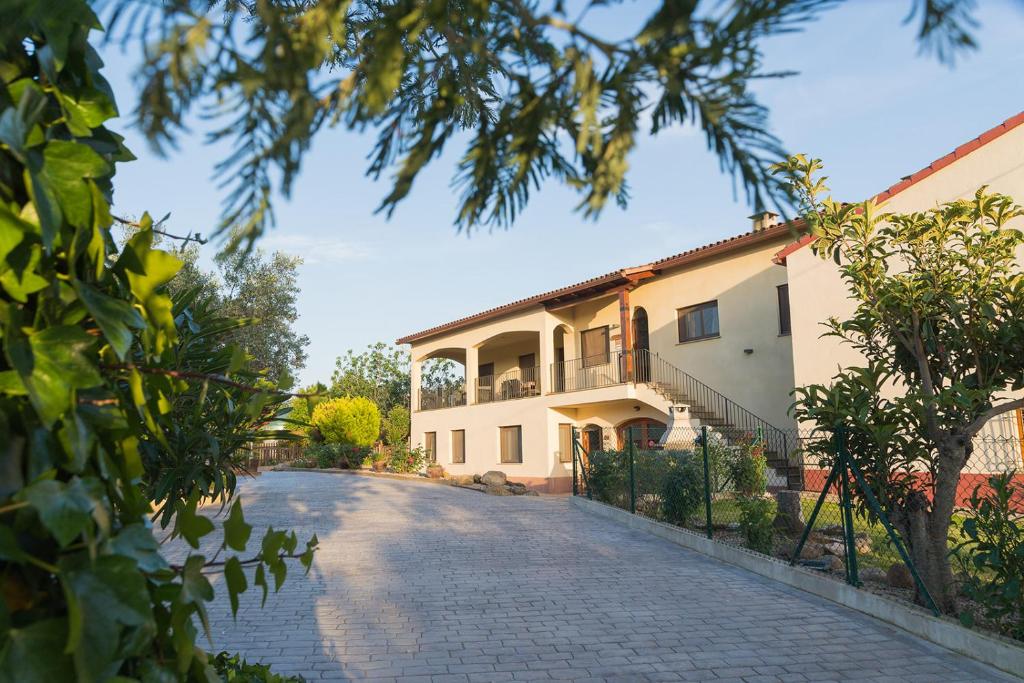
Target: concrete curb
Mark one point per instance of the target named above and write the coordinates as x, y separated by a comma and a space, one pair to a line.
995, 651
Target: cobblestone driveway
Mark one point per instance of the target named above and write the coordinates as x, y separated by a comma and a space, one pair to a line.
427, 583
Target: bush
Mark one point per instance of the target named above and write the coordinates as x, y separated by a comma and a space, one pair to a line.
338, 455
234, 669
396, 426
993, 556
757, 515
407, 460
608, 477
749, 471
682, 491
353, 421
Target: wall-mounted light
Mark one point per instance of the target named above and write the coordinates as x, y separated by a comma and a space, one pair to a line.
636, 408
748, 351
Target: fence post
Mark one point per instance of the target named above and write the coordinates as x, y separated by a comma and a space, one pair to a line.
572, 454
707, 479
844, 496
632, 473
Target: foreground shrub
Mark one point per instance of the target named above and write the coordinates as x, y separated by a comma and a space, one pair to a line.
757, 515
354, 421
993, 556
396, 426
234, 669
682, 491
407, 460
609, 477
339, 455
749, 471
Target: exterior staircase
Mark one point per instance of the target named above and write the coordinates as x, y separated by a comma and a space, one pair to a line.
692, 400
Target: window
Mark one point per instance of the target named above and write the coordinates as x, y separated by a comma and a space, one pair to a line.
431, 446
595, 346
511, 439
458, 446
564, 443
698, 322
784, 324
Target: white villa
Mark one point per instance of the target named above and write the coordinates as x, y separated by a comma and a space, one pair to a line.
717, 335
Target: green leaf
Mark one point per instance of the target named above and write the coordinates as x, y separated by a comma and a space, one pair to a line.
52, 365
195, 588
108, 604
9, 549
34, 654
65, 509
234, 576
137, 542
114, 316
236, 531
191, 526
260, 579
59, 181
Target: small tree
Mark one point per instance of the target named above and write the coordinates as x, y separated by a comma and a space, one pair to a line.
302, 407
396, 425
352, 421
940, 323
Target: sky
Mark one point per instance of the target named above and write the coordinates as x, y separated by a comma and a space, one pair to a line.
865, 101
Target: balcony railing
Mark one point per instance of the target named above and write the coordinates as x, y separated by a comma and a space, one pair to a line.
446, 397
515, 383
594, 372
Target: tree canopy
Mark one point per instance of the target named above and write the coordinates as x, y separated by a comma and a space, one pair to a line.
939, 321
380, 373
538, 93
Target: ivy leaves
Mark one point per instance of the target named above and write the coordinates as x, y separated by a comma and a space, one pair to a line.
113, 397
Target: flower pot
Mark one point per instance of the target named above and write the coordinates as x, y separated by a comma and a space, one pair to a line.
435, 471
379, 465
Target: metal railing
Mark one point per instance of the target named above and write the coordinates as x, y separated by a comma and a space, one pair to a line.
511, 384
594, 372
712, 408
445, 397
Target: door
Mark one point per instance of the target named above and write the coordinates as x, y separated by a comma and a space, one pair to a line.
528, 385
485, 383
642, 346
645, 433
560, 369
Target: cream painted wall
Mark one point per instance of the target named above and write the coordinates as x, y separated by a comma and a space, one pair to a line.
745, 287
816, 291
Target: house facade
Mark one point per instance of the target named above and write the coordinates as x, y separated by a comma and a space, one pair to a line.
718, 335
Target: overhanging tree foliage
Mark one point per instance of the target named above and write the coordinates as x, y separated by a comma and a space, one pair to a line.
940, 324
541, 94
119, 406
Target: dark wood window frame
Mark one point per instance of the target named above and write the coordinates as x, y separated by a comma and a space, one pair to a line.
502, 456
564, 449
681, 316
605, 356
430, 445
459, 458
785, 322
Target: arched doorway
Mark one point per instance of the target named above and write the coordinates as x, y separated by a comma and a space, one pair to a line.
593, 438
558, 366
644, 432
642, 345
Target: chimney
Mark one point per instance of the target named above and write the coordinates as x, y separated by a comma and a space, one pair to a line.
764, 220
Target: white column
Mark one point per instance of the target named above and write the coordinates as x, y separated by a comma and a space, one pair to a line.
547, 353
472, 369
415, 372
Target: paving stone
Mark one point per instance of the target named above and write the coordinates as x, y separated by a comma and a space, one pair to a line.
424, 584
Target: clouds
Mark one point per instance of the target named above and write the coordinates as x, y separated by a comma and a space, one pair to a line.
316, 250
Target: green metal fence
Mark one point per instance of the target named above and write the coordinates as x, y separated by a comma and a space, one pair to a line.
809, 504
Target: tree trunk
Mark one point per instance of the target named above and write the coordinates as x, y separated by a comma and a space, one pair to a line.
924, 525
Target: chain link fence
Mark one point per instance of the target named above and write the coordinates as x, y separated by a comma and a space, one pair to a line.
783, 494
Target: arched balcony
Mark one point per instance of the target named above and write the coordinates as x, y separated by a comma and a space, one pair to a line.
441, 379
509, 367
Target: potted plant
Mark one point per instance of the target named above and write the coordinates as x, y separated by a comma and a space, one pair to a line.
435, 471
380, 462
